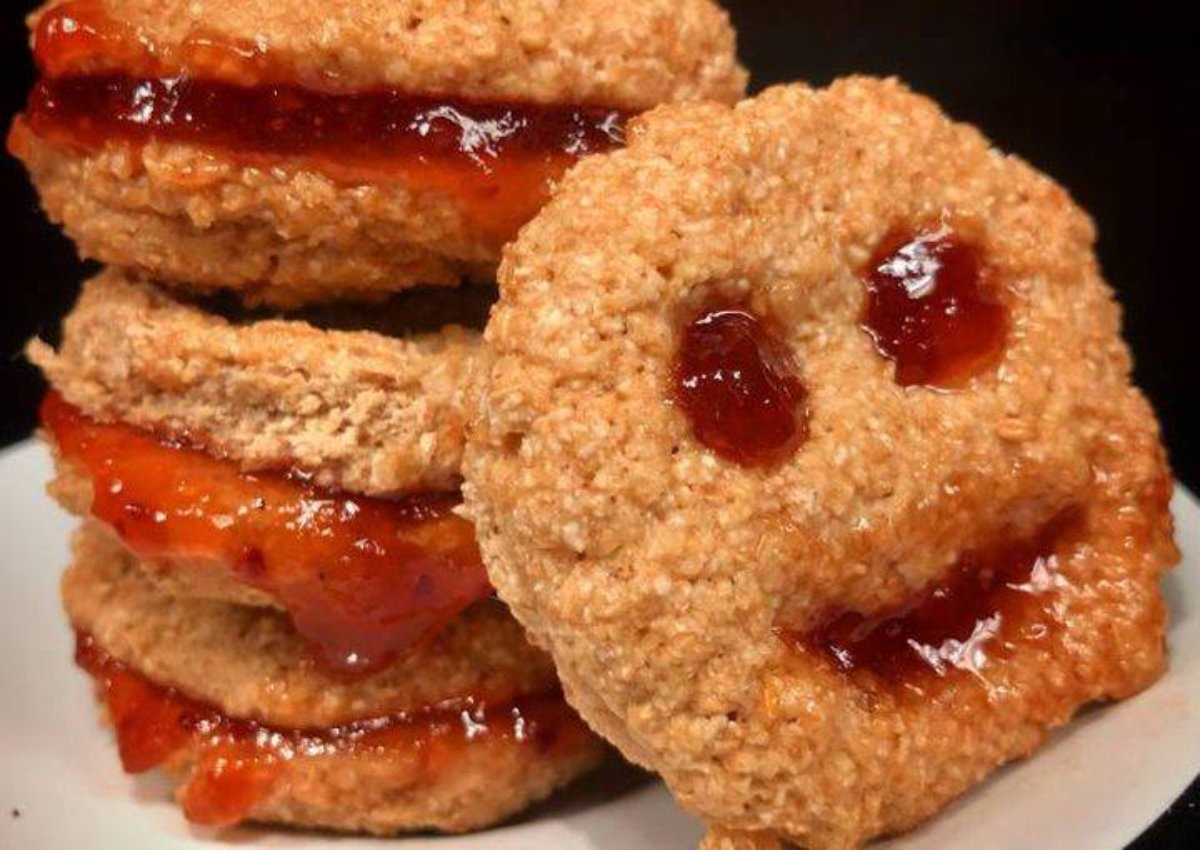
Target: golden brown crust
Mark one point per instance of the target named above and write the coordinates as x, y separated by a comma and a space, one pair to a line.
386, 793
657, 574
249, 663
360, 411
288, 234
620, 53
282, 236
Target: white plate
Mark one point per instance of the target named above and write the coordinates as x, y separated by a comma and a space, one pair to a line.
1098, 784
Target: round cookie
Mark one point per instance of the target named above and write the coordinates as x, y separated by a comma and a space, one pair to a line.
767, 385
359, 411
460, 735
461, 117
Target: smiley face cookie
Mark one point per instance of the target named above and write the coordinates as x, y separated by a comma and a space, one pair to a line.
808, 448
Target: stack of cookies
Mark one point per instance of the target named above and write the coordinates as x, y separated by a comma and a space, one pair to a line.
801, 434
258, 407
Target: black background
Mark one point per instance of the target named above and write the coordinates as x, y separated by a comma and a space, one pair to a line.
1103, 97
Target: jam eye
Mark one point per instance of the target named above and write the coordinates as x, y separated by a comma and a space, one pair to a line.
932, 308
736, 380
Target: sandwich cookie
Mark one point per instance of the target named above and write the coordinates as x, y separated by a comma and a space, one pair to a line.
303, 151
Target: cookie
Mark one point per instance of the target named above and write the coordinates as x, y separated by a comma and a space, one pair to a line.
372, 413
807, 447
462, 735
271, 462
299, 152
271, 587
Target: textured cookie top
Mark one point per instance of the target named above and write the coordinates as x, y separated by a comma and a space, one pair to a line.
661, 574
361, 411
628, 53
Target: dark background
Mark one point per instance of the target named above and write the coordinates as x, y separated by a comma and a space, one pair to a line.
1103, 97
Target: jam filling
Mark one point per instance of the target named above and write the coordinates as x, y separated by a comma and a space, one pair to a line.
102, 82
239, 762
990, 601
932, 307
363, 579
736, 381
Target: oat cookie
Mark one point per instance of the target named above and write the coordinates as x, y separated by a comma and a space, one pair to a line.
432, 743
808, 449
367, 412
274, 462
305, 151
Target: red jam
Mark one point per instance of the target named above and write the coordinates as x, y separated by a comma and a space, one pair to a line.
363, 579
239, 762
932, 307
736, 381
101, 82
990, 600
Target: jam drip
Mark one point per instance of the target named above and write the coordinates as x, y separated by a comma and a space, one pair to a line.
736, 381
932, 307
101, 82
990, 600
363, 579
239, 762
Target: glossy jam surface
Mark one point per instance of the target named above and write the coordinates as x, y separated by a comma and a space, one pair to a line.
100, 82
363, 579
990, 601
932, 308
736, 381
238, 762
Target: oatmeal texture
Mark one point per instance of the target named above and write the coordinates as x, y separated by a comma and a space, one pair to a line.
281, 236
285, 232
250, 665
362, 412
657, 574
626, 54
